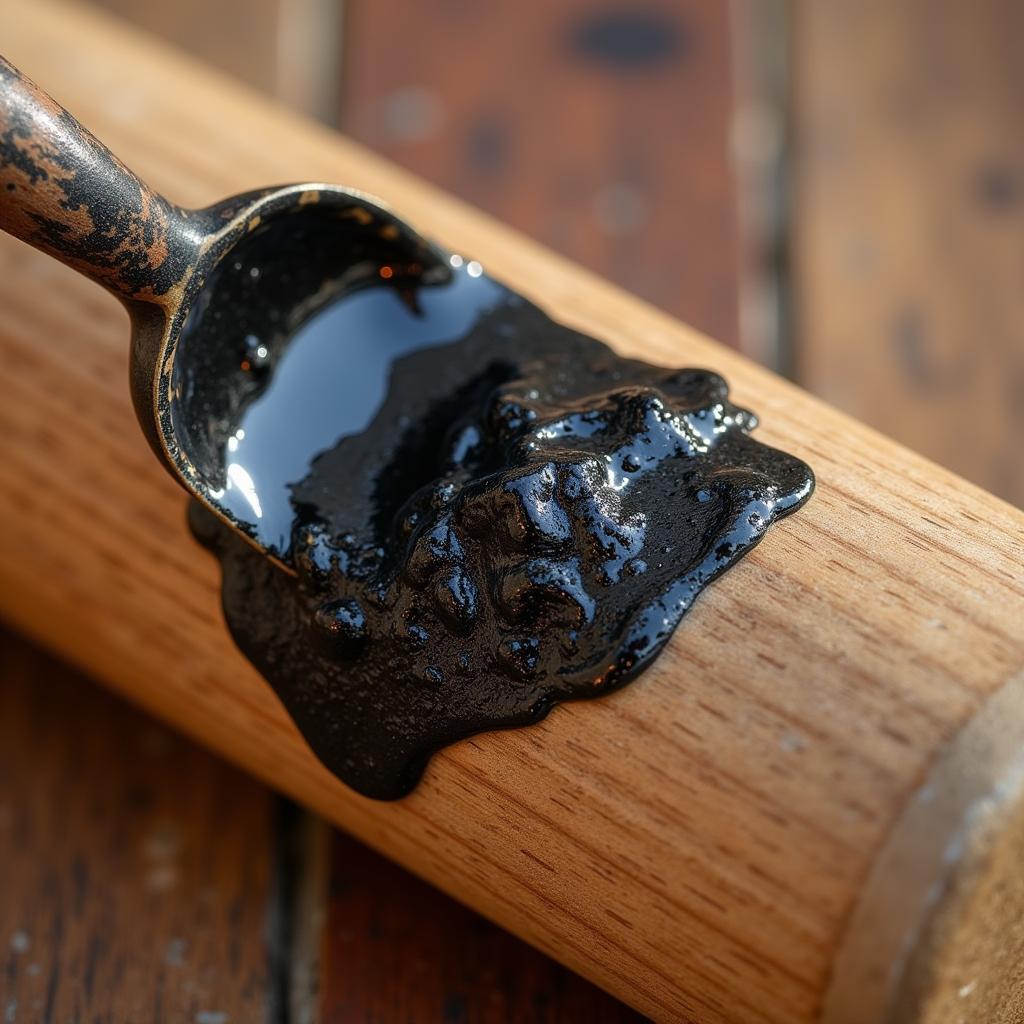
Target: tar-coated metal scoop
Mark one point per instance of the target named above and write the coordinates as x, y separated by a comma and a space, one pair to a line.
66, 194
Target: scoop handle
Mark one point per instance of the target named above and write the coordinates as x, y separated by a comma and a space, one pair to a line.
65, 193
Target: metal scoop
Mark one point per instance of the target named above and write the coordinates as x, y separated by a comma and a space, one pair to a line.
181, 274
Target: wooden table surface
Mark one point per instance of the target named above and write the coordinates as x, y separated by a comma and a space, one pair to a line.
908, 215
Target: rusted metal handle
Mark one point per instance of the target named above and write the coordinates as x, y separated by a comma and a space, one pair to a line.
65, 193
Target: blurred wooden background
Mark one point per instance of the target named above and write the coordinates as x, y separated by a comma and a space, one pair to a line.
835, 186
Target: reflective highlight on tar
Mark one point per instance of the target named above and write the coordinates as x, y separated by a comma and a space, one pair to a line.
485, 511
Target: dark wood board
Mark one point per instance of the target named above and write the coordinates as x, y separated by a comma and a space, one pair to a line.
908, 234
137, 869
400, 950
601, 129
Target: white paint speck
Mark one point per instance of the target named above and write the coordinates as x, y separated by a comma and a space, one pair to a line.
161, 848
163, 842
162, 879
621, 208
966, 990
410, 115
20, 942
174, 954
792, 743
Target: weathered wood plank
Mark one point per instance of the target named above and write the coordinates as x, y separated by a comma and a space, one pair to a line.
908, 186
603, 131
137, 874
396, 949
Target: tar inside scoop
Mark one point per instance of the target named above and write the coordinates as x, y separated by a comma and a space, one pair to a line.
480, 512
329, 382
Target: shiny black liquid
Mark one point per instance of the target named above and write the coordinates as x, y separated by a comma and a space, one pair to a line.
485, 512
329, 383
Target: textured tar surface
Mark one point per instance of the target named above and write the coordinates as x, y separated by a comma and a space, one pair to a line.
525, 521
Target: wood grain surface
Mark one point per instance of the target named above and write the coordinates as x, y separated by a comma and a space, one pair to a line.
908, 189
396, 949
600, 129
694, 843
138, 881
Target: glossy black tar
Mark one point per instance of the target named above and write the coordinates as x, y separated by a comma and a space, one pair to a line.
485, 511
